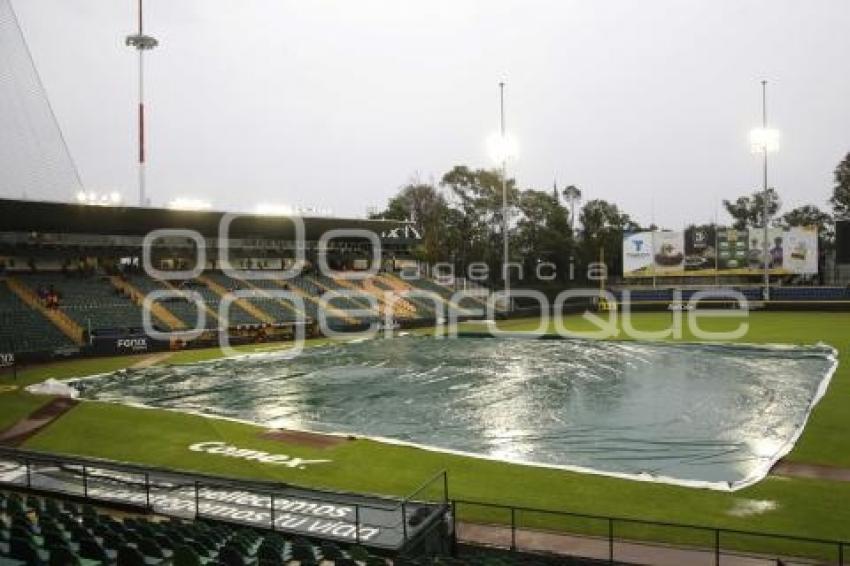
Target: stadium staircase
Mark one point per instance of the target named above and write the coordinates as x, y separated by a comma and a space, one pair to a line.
398, 308
160, 312
425, 307
253, 310
402, 287
59, 319
90, 301
24, 328
186, 311
325, 283
310, 293
281, 309
465, 303
418, 309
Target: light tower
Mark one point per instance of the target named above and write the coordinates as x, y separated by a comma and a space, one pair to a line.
765, 140
503, 148
141, 43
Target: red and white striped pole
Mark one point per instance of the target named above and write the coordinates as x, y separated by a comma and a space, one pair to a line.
142, 43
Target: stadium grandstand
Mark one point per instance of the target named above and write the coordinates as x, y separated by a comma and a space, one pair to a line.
157, 407
73, 279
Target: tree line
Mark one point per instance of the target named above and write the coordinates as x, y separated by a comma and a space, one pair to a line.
460, 220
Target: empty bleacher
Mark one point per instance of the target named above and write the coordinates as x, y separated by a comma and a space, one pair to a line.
101, 303
423, 307
181, 307
425, 284
40, 530
23, 329
90, 301
335, 316
280, 308
236, 314
268, 306
356, 299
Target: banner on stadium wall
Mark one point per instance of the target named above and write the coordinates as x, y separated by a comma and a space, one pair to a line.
707, 251
637, 254
668, 252
800, 250
701, 248
130, 344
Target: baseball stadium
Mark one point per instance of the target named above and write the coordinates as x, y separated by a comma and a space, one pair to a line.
495, 378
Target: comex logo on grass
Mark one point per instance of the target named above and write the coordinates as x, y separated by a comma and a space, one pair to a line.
228, 451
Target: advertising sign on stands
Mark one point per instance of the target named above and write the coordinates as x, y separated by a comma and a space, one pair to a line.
800, 250
668, 252
706, 251
637, 254
7, 359
700, 249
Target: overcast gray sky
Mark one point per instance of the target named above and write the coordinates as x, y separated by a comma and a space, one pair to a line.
336, 104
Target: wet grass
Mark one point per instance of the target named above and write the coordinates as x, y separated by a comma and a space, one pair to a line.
813, 508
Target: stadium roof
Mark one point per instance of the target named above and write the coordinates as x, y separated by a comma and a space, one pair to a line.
55, 217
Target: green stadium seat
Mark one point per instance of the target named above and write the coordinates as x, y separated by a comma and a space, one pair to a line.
63, 556
150, 548
55, 533
91, 549
92, 302
185, 555
26, 550
231, 556
130, 556
23, 329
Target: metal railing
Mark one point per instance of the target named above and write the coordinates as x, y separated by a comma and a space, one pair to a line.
370, 520
621, 539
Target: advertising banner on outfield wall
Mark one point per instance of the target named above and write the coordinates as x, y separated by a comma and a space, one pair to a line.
668, 252
709, 250
701, 248
637, 254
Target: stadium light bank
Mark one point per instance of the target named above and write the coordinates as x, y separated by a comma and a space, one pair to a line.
112, 198
182, 203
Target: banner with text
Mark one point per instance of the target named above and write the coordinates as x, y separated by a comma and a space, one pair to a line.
710, 250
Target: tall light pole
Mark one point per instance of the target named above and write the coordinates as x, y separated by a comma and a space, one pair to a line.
506, 272
765, 140
503, 147
141, 43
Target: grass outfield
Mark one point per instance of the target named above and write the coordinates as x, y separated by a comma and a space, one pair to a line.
813, 508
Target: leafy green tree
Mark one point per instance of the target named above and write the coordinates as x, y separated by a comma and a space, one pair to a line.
841, 193
542, 232
748, 211
423, 205
477, 194
602, 228
809, 215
